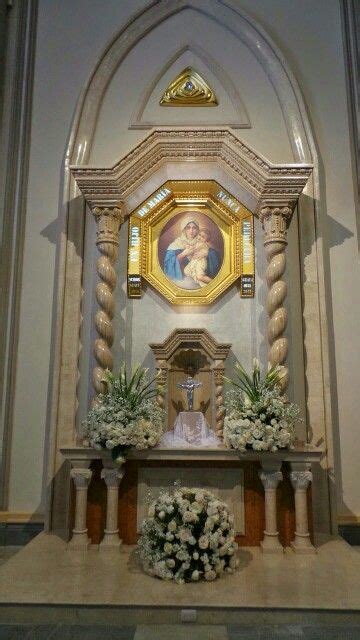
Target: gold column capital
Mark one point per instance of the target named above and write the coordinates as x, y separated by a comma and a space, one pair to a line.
109, 220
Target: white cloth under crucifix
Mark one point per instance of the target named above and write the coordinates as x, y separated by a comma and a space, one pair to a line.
190, 430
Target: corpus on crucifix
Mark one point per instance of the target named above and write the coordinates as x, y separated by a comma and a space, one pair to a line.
190, 385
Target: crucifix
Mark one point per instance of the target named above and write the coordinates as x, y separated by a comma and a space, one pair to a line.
190, 385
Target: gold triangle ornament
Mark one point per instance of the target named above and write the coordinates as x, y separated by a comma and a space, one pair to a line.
189, 89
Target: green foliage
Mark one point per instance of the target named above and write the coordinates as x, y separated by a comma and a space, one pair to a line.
252, 385
126, 415
133, 389
258, 415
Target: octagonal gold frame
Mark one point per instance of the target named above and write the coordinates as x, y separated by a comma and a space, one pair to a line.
204, 196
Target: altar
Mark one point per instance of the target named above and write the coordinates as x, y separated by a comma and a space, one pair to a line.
174, 234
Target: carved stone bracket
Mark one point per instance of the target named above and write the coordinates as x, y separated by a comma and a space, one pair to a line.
275, 220
109, 220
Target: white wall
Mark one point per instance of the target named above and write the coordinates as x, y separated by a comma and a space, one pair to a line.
71, 36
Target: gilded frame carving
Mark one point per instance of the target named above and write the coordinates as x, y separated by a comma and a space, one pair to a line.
207, 200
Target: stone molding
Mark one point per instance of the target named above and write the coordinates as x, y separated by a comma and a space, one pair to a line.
197, 338
278, 185
17, 72
241, 120
270, 461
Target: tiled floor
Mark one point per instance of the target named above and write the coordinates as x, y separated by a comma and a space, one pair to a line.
39, 565
46, 572
8, 552
180, 632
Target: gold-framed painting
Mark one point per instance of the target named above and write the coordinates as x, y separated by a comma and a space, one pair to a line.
191, 240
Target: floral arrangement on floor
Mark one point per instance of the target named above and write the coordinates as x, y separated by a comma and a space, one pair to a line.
258, 416
126, 415
188, 536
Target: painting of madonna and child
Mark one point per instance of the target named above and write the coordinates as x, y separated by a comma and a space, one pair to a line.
191, 249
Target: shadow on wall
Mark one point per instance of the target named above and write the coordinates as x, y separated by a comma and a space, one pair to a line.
333, 234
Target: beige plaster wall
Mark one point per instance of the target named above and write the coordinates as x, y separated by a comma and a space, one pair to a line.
71, 36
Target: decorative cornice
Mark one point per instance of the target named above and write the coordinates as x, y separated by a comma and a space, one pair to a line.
269, 183
190, 338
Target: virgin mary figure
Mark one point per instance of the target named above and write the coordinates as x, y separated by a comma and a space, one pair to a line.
179, 254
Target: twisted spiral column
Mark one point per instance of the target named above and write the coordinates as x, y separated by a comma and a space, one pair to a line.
219, 401
161, 381
275, 221
109, 220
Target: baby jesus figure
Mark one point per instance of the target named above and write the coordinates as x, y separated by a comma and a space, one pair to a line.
197, 265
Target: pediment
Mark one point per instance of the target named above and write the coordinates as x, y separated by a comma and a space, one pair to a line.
190, 339
149, 113
270, 184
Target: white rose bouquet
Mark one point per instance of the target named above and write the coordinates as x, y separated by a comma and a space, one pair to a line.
188, 536
126, 416
258, 416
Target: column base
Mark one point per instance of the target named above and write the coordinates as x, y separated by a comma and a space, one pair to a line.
271, 544
110, 540
79, 541
302, 544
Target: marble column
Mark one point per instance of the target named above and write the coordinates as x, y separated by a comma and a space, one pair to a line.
275, 220
81, 475
270, 475
300, 480
109, 220
112, 476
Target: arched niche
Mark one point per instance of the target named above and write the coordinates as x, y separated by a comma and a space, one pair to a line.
71, 257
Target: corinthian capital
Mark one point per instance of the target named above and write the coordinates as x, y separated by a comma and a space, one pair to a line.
109, 220
270, 479
300, 480
275, 220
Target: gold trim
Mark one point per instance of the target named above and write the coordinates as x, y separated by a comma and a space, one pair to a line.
21, 517
189, 89
352, 519
206, 197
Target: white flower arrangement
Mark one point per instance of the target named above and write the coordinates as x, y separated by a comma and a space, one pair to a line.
126, 416
187, 537
258, 417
